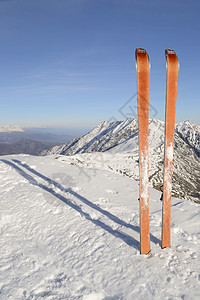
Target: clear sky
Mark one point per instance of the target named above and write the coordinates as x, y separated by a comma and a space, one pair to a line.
71, 63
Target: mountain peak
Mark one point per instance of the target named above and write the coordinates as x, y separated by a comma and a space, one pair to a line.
120, 139
190, 133
7, 128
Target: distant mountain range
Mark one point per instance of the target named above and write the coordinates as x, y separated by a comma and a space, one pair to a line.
15, 140
24, 146
10, 134
120, 140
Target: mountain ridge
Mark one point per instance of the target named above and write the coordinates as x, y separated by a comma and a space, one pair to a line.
121, 137
25, 146
14, 136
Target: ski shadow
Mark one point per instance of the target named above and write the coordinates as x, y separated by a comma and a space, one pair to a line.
109, 215
130, 241
172, 205
177, 203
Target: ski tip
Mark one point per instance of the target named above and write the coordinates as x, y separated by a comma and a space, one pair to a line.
169, 51
140, 50
171, 54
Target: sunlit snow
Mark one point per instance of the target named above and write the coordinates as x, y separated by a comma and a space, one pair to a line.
69, 230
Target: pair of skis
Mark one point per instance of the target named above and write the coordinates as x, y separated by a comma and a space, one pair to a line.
143, 70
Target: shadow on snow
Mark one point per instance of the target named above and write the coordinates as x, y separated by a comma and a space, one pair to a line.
126, 238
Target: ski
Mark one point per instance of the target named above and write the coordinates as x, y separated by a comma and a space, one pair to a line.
143, 67
171, 94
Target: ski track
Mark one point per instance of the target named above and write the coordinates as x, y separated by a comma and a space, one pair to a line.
64, 237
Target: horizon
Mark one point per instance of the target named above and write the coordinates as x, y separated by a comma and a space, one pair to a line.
73, 131
72, 64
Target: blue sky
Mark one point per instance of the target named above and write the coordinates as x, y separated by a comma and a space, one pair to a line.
67, 63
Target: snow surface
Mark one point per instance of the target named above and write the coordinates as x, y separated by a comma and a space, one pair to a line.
71, 231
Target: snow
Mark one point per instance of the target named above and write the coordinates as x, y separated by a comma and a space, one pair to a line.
169, 152
69, 230
144, 178
120, 139
190, 133
7, 128
168, 171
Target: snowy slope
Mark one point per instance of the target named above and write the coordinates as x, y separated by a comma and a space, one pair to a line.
121, 139
125, 134
190, 133
103, 137
71, 232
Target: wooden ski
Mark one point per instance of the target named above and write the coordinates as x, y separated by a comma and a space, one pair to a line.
143, 67
171, 94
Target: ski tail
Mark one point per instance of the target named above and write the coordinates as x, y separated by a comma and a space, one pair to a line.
171, 94
143, 69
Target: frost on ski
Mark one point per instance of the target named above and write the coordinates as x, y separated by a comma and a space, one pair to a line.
144, 178
168, 171
169, 153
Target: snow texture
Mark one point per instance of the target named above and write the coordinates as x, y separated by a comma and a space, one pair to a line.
169, 152
190, 133
71, 231
168, 171
144, 178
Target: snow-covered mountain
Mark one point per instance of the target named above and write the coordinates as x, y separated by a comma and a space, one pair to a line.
121, 140
102, 138
7, 128
190, 133
69, 232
